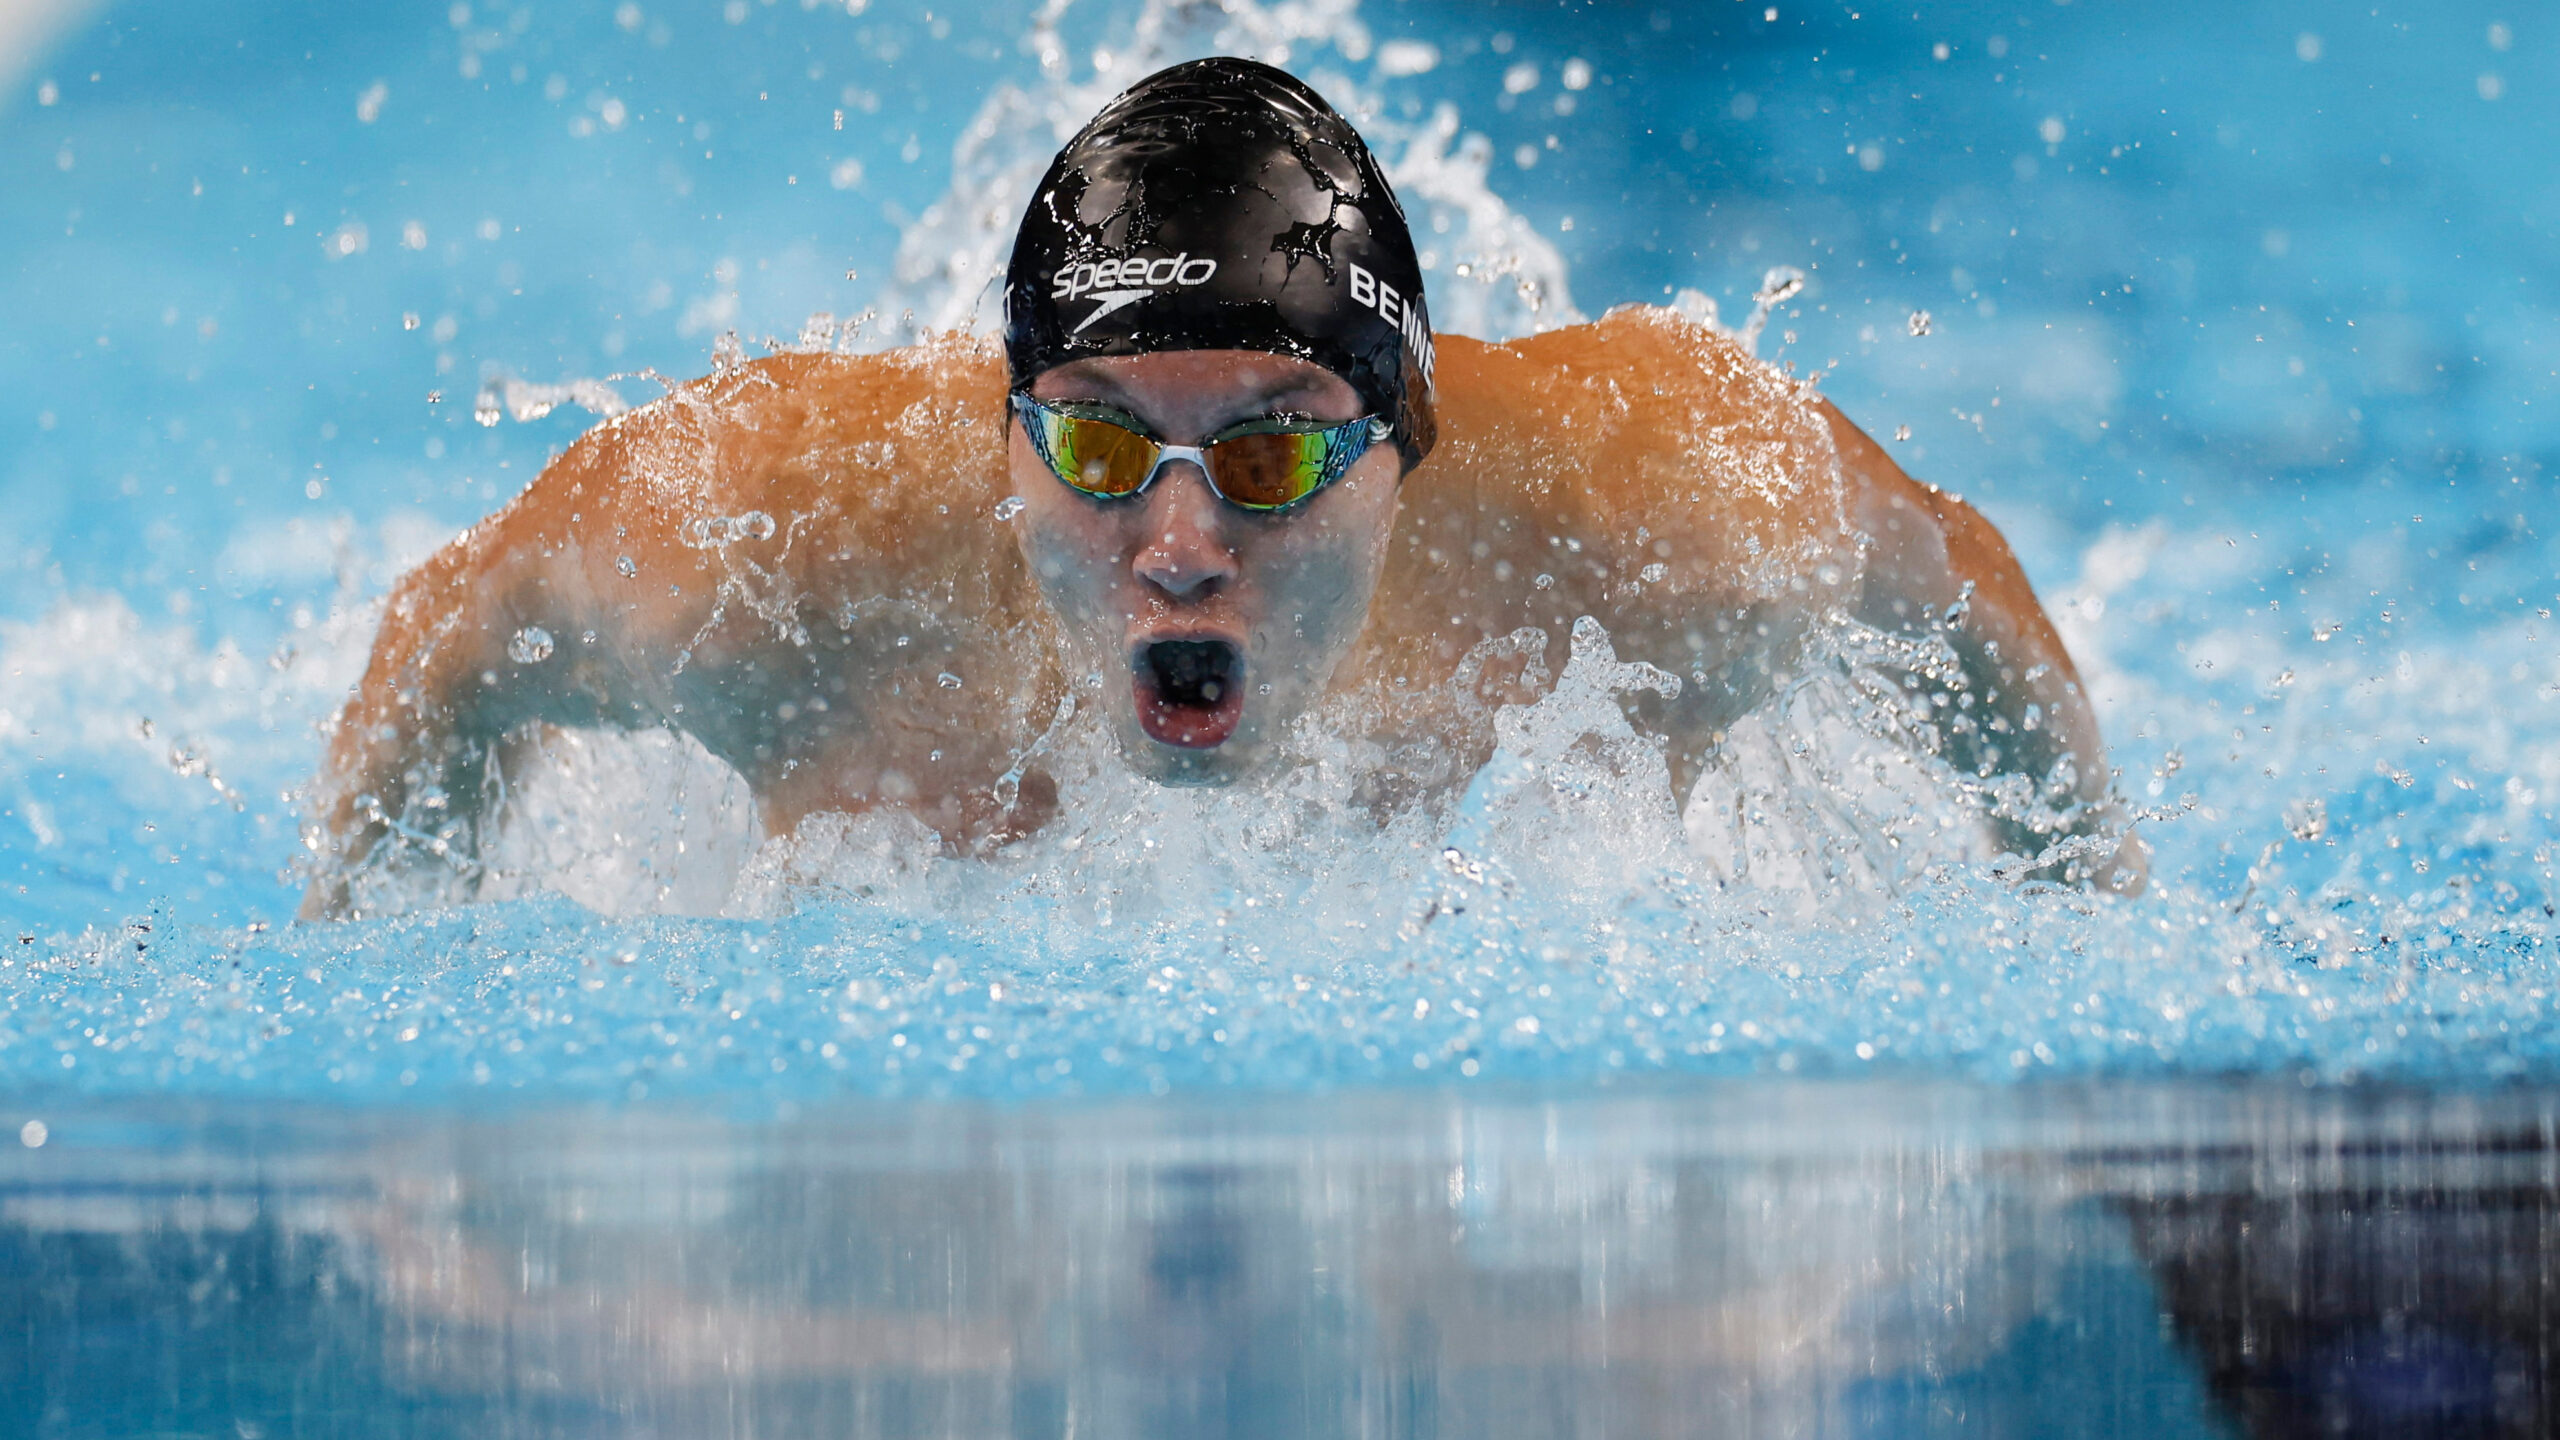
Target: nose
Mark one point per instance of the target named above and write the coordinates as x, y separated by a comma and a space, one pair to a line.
1184, 554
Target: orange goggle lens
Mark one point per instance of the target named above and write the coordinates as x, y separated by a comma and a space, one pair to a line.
1256, 469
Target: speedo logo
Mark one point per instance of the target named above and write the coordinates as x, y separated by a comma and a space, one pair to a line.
1403, 312
1114, 284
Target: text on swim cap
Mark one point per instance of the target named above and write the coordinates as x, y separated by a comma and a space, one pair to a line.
1129, 273
1407, 316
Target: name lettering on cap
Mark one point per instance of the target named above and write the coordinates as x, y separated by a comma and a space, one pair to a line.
1407, 316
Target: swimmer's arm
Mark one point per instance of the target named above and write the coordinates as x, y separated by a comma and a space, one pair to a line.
592, 556
410, 752
649, 625
1938, 569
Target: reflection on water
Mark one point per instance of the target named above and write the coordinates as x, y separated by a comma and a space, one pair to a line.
1749, 1258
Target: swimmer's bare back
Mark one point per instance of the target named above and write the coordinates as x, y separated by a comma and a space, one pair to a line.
804, 562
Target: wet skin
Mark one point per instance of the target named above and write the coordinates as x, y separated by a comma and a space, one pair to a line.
1287, 591
803, 563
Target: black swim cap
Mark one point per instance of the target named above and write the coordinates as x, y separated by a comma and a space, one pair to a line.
1223, 205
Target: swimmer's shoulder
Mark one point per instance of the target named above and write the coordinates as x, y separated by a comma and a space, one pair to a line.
1643, 386
896, 439
1644, 434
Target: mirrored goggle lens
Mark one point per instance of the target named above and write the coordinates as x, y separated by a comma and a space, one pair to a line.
1096, 456
1265, 472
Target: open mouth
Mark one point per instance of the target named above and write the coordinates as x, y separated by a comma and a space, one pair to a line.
1190, 692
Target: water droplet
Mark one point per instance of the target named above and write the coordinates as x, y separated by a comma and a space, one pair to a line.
2307, 820
1654, 572
947, 680
1010, 506
1545, 582
624, 567
489, 407
1901, 432
531, 646
1919, 322
408, 319
1781, 284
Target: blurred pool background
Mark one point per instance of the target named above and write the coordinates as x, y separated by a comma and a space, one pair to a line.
2237, 319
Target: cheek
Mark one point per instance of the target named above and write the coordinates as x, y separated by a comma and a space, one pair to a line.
1070, 564
1328, 572
1068, 547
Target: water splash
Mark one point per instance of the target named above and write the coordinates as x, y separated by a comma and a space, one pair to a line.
505, 396
716, 532
1781, 284
950, 263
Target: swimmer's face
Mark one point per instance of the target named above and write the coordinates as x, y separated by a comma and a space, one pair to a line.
1211, 627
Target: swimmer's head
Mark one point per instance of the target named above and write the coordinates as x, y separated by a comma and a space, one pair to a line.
1223, 205
1216, 256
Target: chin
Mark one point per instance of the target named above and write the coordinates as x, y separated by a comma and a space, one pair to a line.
1189, 768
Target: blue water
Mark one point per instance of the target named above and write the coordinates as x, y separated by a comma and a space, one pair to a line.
1214, 1122
2237, 325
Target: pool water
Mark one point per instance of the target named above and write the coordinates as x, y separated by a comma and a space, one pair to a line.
2235, 319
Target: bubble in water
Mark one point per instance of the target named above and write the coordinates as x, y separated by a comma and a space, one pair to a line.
947, 680
1653, 573
530, 646
1919, 322
487, 408
1010, 506
1901, 432
408, 319
625, 567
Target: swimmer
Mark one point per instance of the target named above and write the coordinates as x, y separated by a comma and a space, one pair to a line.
1219, 477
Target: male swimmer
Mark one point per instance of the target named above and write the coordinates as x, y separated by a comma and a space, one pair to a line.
1191, 494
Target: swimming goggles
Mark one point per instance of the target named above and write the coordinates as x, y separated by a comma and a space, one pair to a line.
1266, 464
